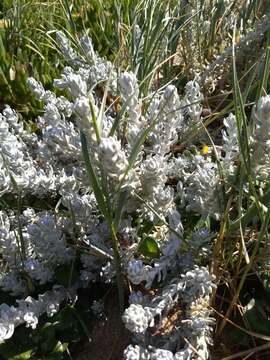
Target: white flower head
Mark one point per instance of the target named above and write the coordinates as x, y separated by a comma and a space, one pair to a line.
262, 111
160, 354
136, 353
112, 157
137, 319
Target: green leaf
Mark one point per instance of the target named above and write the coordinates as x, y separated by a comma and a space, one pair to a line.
48, 339
9, 351
60, 347
57, 352
94, 182
23, 356
149, 248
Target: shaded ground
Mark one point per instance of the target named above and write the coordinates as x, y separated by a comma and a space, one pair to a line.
109, 337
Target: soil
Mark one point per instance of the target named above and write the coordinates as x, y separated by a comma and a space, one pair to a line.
109, 337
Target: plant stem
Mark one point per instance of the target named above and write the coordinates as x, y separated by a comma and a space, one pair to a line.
117, 260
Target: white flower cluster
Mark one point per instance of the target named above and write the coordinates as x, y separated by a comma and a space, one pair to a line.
112, 158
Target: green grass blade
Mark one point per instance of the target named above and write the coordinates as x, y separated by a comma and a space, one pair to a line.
93, 178
265, 74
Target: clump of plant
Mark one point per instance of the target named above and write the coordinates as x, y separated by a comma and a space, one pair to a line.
112, 214
100, 193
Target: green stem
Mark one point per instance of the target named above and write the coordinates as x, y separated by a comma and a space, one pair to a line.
117, 261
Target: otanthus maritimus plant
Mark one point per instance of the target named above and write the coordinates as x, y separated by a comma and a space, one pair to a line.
119, 200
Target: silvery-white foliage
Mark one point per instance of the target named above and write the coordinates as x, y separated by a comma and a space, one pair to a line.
52, 165
199, 186
127, 231
90, 267
49, 241
139, 353
89, 65
261, 142
62, 142
82, 110
137, 298
29, 310
158, 270
73, 82
248, 41
161, 200
8, 317
37, 88
88, 48
82, 206
136, 271
230, 143
112, 158
130, 96
153, 173
38, 271
200, 242
198, 329
108, 272
192, 290
191, 106
198, 326
49, 98
203, 192
160, 354
11, 282
19, 172
136, 318
8, 240
167, 117
197, 283
12, 119
175, 238
136, 353
186, 354
36, 250
66, 48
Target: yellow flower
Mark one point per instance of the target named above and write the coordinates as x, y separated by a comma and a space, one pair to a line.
204, 150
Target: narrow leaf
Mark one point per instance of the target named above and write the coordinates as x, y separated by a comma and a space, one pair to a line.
93, 178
